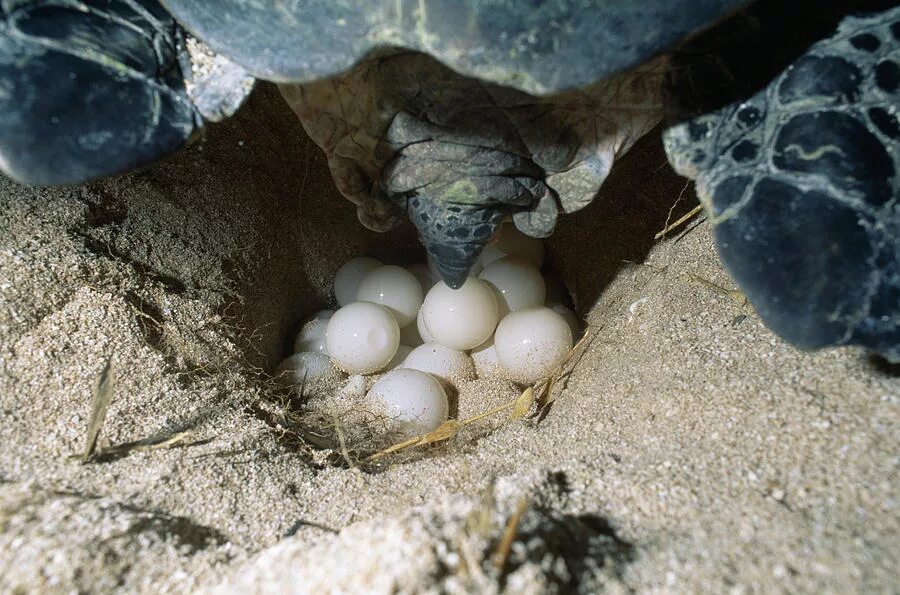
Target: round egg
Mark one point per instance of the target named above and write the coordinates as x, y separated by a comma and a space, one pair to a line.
355, 388
362, 337
446, 364
531, 342
460, 318
396, 289
409, 334
399, 357
518, 284
304, 369
414, 400
485, 359
424, 333
347, 278
571, 319
423, 273
312, 336
509, 241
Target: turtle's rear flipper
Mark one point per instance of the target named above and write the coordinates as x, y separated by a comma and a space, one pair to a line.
802, 182
89, 90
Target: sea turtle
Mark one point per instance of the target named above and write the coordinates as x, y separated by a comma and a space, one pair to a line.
459, 113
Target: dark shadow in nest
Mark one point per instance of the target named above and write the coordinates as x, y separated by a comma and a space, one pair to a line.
267, 171
641, 195
259, 169
740, 56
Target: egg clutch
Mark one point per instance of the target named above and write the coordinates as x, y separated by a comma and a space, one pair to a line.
422, 337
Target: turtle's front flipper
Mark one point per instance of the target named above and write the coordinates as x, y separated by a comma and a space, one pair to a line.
802, 182
92, 89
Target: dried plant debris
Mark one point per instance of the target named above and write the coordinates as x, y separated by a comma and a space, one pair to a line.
734, 294
349, 432
104, 389
103, 394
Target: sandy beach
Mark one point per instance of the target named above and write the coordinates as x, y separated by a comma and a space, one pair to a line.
688, 449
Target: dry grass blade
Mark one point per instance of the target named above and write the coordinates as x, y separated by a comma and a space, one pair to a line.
394, 448
445, 431
439, 433
149, 444
679, 222
343, 442
736, 295
509, 535
545, 394
523, 404
103, 393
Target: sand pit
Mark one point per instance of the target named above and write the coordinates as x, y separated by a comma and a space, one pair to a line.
688, 448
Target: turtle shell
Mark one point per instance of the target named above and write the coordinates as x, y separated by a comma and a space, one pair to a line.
537, 47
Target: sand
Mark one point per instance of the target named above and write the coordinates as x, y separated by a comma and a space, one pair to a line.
688, 450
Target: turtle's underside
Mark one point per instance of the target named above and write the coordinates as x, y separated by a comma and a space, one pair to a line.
460, 113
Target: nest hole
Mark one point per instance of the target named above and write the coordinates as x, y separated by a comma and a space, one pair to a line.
303, 229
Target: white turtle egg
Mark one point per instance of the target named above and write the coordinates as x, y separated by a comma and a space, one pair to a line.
571, 319
518, 284
424, 333
409, 334
460, 318
485, 358
423, 273
396, 289
355, 388
347, 278
362, 337
399, 357
415, 400
512, 242
312, 336
447, 364
531, 342
304, 369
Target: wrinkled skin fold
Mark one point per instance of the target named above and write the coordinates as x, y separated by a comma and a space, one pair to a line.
405, 135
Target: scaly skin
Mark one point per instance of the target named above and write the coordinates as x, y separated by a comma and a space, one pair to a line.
407, 135
802, 183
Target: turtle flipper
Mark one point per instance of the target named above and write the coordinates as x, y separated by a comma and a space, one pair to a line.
89, 90
802, 183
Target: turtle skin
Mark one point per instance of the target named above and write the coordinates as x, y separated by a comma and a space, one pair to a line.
801, 181
406, 135
796, 161
455, 112
89, 90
